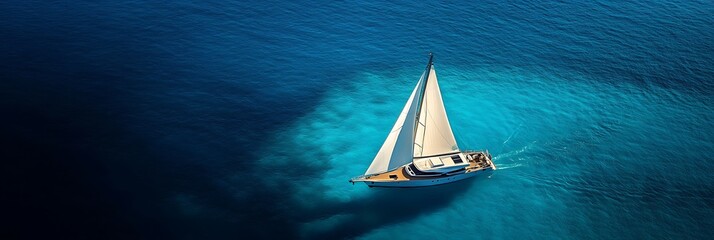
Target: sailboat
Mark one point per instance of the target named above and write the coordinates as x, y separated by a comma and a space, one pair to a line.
421, 150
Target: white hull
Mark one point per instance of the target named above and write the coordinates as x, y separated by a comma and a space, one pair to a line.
427, 182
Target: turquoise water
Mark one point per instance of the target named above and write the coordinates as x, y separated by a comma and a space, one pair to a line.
225, 120
570, 153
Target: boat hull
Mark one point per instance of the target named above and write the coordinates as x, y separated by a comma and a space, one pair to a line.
427, 181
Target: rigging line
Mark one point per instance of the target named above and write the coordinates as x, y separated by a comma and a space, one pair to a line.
426, 74
399, 128
423, 134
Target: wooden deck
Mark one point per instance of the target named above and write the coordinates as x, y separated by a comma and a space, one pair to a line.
399, 172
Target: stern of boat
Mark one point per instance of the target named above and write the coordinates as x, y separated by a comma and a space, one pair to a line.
480, 156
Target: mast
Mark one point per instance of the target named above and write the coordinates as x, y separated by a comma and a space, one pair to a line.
433, 133
421, 96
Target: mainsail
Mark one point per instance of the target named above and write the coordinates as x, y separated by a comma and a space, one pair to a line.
422, 128
433, 135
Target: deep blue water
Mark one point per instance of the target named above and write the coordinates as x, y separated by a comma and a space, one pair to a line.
225, 120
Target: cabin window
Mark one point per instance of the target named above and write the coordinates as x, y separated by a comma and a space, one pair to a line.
457, 159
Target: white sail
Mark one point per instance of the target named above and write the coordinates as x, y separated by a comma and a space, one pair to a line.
397, 149
433, 135
421, 149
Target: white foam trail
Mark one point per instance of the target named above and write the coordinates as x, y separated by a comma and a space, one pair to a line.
514, 153
512, 134
508, 166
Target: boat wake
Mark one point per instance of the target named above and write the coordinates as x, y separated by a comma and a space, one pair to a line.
518, 129
508, 166
510, 154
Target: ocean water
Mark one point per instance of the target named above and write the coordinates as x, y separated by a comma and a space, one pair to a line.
243, 120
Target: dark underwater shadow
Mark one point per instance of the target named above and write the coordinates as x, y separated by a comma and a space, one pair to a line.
100, 150
386, 206
87, 151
